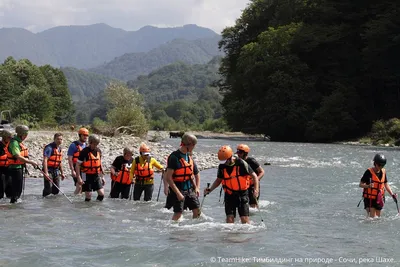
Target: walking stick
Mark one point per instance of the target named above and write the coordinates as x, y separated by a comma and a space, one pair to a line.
51, 181
259, 211
204, 197
395, 201
131, 192
159, 188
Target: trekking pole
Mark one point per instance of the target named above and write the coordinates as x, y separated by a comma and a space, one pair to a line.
204, 197
395, 201
360, 202
258, 208
51, 181
131, 192
24, 172
159, 188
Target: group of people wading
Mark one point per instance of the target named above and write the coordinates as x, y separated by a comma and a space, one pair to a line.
238, 173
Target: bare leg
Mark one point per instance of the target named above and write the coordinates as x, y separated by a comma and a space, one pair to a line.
176, 216
196, 213
230, 219
244, 219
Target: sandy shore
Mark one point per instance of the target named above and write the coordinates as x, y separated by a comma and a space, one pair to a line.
111, 147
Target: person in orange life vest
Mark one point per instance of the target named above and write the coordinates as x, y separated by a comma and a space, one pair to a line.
142, 173
5, 183
73, 153
374, 182
183, 190
18, 156
242, 151
52, 166
120, 170
89, 169
234, 174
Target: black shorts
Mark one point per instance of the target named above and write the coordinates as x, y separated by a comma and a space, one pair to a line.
252, 199
191, 200
368, 202
92, 182
239, 200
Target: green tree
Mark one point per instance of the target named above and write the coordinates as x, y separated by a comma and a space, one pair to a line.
126, 108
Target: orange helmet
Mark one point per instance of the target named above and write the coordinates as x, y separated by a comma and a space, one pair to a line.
225, 152
83, 131
243, 147
144, 148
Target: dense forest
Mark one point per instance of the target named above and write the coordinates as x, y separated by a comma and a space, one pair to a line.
312, 70
181, 97
35, 94
130, 66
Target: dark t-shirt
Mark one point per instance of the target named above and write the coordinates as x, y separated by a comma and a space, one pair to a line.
367, 176
253, 164
118, 161
244, 168
84, 154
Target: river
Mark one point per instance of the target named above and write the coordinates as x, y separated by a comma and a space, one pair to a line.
308, 217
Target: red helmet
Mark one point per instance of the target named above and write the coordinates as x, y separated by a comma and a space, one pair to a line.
83, 131
244, 148
144, 148
225, 152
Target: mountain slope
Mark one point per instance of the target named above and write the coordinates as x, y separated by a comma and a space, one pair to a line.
83, 84
20, 43
129, 66
178, 81
89, 46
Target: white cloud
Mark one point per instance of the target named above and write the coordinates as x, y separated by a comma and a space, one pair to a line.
126, 14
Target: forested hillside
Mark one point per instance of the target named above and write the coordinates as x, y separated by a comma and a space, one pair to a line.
35, 94
312, 70
181, 96
130, 66
83, 84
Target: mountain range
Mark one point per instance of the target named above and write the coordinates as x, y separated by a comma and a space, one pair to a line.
92, 46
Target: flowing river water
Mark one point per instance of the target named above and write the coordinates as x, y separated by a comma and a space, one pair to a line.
308, 217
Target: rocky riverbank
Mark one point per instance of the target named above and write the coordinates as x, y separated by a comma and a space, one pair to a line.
111, 147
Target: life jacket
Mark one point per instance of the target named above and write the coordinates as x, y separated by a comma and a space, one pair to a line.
3, 153
234, 182
123, 174
76, 154
184, 172
143, 173
378, 185
92, 165
23, 153
55, 159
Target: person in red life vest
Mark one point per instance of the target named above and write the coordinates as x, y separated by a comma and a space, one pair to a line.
235, 175
374, 182
18, 156
183, 191
120, 171
73, 153
52, 166
142, 173
5, 183
89, 169
242, 151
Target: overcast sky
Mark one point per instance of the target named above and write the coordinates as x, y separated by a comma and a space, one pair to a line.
38, 15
